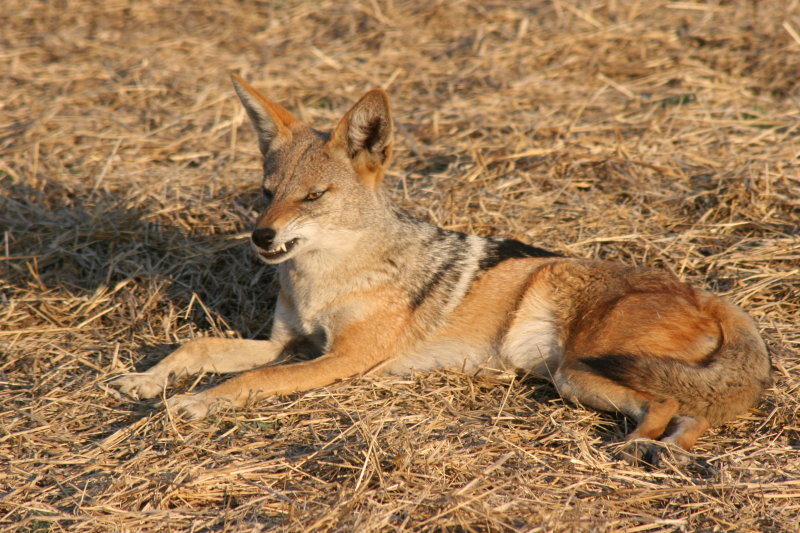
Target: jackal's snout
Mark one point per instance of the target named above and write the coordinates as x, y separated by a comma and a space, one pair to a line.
263, 237
263, 240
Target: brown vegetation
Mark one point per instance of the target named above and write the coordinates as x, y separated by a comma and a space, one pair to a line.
651, 132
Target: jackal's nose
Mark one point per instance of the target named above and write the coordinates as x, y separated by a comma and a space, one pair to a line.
263, 237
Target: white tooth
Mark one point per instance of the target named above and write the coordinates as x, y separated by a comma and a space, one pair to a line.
282, 248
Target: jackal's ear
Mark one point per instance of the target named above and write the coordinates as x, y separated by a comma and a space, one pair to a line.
365, 134
270, 120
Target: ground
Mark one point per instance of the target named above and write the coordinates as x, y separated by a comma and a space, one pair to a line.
650, 132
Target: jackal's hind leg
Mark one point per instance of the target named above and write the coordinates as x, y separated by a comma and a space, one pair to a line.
674, 439
687, 429
654, 417
640, 445
578, 385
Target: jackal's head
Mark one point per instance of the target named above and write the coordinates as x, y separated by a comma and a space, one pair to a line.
322, 189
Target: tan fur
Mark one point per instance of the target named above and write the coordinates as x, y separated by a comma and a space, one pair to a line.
373, 290
490, 304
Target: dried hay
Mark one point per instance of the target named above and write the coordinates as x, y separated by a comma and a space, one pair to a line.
661, 133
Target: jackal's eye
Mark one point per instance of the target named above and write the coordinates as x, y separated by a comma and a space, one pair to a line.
268, 194
316, 195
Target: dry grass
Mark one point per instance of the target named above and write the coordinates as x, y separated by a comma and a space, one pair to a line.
652, 132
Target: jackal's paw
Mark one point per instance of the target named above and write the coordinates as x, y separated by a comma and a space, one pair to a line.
669, 454
633, 451
190, 406
141, 385
653, 453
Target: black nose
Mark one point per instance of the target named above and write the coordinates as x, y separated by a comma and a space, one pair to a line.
263, 237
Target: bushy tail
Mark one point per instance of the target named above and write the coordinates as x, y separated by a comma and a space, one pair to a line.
726, 383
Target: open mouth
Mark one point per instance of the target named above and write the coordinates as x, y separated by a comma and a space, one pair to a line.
278, 252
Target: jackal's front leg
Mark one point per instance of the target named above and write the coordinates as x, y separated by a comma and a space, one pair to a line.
197, 356
357, 349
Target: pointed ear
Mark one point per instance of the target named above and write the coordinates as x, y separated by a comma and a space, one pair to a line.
365, 134
270, 120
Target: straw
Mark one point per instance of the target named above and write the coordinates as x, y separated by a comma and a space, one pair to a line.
654, 133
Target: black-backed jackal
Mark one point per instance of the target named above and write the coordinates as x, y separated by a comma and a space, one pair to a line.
367, 288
